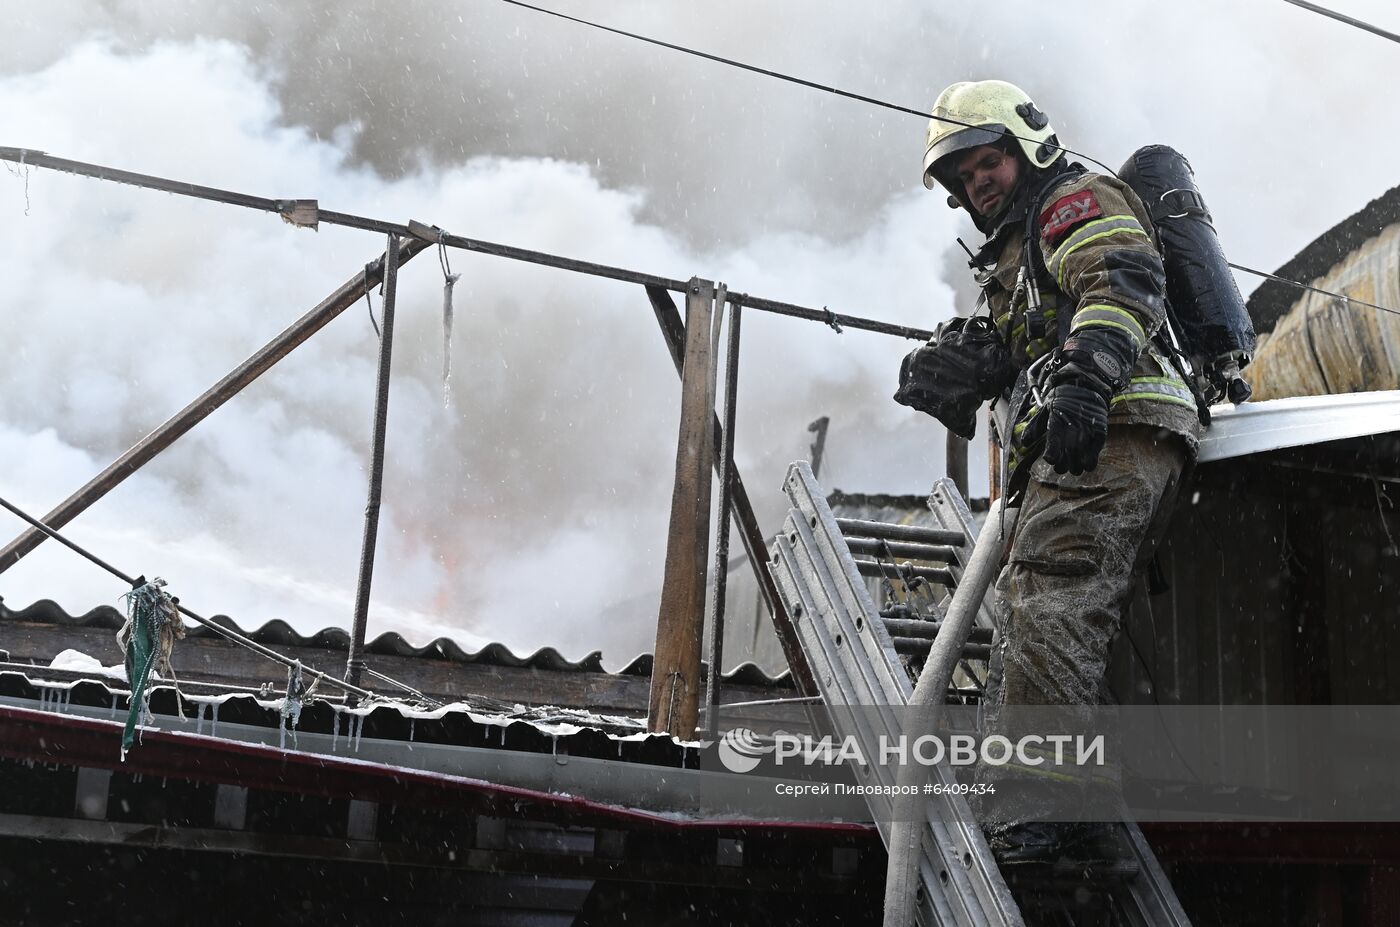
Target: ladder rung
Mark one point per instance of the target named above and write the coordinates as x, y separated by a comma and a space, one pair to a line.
919, 646
856, 527
942, 553
877, 569
907, 627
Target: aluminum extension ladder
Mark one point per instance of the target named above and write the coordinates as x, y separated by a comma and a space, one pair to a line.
819, 563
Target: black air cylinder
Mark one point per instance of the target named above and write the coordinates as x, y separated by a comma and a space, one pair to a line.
1205, 302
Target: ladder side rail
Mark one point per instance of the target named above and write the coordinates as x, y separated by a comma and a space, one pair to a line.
955, 845
961, 885
1151, 890
844, 694
951, 511
819, 522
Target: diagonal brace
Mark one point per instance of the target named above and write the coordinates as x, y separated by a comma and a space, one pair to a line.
163, 436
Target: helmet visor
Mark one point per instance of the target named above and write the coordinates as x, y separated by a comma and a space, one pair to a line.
954, 142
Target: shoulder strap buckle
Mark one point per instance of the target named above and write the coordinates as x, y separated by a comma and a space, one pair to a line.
1178, 204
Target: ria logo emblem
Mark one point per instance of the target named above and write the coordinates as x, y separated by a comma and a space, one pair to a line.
740, 750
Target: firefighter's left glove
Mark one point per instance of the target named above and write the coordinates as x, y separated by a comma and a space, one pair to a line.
1079, 382
962, 366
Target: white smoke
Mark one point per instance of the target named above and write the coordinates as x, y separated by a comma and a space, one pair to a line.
520, 513
538, 502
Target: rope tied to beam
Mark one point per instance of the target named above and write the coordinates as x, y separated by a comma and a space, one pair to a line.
831, 319
147, 639
297, 694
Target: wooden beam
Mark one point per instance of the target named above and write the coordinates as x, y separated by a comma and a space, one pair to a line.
675, 676
957, 463
141, 453
755, 546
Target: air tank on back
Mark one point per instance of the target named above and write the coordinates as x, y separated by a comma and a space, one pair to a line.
1206, 305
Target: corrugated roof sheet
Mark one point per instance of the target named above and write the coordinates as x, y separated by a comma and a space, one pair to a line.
278, 633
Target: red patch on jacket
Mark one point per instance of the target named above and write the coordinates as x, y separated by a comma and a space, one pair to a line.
1067, 212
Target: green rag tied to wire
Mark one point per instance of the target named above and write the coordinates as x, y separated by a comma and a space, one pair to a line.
152, 624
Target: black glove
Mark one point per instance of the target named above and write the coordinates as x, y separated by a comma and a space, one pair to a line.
1080, 379
1076, 427
964, 364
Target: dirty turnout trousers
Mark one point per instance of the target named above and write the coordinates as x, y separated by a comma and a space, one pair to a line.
1079, 543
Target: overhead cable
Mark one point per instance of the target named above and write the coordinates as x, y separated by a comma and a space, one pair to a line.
874, 101
792, 79
1343, 18
1313, 289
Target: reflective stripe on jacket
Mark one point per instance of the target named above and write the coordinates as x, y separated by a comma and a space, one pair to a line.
1103, 271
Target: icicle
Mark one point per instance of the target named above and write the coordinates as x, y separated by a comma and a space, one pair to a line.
335, 729
447, 340
199, 718
411, 724
449, 280
214, 719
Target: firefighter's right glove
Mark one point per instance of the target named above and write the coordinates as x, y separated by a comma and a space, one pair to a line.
1079, 382
962, 366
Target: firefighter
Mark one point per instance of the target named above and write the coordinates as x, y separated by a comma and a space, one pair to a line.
1099, 426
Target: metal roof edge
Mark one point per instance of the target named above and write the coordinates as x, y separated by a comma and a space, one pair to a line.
1255, 427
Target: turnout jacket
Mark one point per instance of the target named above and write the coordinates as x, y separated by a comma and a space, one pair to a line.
1098, 266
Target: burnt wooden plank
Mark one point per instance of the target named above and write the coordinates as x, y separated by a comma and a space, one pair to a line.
750, 534
675, 678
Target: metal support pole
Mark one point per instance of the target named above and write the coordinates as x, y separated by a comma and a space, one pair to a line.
669, 318
141, 453
355, 663
675, 677
726, 494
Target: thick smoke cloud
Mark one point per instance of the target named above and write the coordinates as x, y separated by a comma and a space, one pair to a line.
533, 510
523, 511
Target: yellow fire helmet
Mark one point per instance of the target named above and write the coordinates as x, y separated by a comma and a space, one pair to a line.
981, 113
